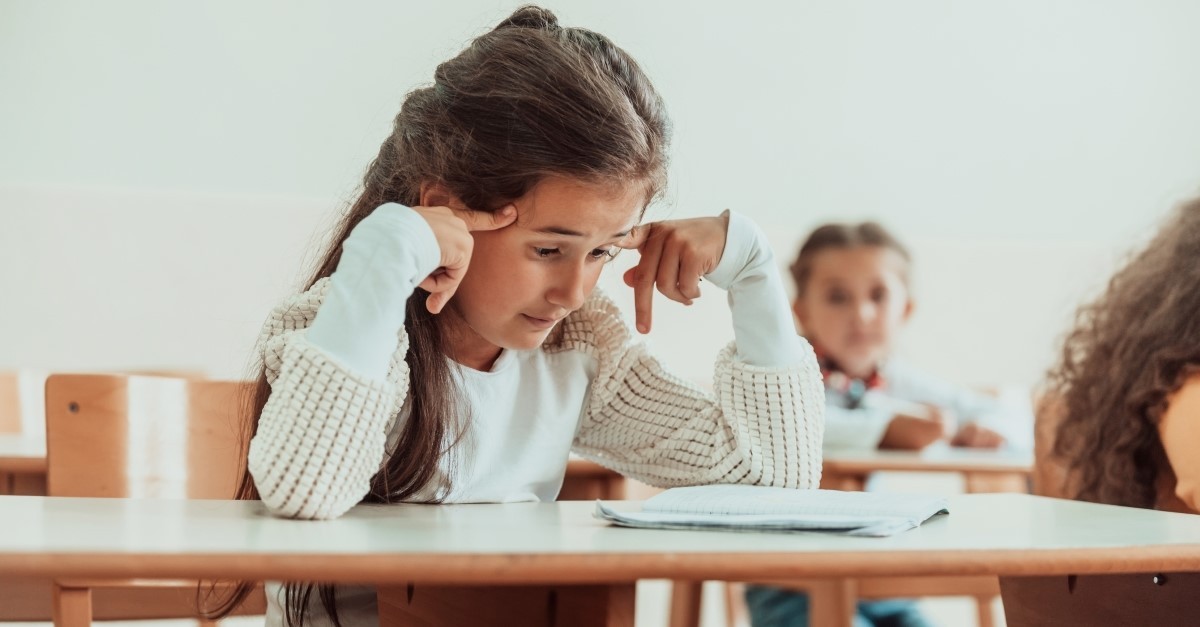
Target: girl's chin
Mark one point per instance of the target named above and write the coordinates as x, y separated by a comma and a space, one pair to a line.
860, 363
524, 341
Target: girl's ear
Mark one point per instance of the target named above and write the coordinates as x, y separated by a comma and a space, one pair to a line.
908, 310
437, 195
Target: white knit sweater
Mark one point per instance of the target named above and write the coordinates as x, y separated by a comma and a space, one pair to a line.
592, 389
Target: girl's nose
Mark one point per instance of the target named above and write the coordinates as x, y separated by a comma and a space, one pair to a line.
570, 287
867, 311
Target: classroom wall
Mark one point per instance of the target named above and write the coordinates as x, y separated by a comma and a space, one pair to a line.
168, 169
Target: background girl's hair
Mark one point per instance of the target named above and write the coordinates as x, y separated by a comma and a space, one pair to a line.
527, 100
1130, 349
839, 236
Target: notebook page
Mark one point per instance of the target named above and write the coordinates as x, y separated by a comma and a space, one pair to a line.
854, 526
744, 499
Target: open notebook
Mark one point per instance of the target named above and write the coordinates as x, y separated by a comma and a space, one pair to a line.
760, 508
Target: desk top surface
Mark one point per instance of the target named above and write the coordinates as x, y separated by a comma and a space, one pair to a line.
562, 542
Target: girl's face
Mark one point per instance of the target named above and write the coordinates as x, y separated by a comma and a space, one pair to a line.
525, 278
854, 303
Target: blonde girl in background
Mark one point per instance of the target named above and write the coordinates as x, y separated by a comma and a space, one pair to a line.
852, 301
451, 347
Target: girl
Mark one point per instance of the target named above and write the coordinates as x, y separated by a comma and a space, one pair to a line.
450, 348
1127, 389
851, 301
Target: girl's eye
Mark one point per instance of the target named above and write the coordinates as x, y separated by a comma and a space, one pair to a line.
604, 254
838, 297
544, 252
879, 294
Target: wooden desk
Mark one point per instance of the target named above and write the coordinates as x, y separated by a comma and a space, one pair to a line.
411, 547
982, 470
22, 465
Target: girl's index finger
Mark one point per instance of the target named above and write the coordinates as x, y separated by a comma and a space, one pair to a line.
486, 220
637, 236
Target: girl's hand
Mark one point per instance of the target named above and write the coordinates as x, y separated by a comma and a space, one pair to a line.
674, 255
452, 227
911, 433
975, 436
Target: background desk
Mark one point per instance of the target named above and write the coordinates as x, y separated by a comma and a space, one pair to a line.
560, 544
983, 470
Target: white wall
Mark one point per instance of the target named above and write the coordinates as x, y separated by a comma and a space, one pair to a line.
166, 167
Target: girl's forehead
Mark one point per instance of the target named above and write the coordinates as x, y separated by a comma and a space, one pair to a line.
859, 262
569, 207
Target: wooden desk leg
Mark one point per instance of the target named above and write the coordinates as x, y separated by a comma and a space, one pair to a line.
685, 603
72, 607
983, 609
832, 602
500, 606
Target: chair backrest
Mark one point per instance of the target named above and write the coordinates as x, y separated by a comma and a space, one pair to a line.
144, 437
10, 403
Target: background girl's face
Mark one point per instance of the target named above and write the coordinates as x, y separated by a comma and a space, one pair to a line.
525, 278
855, 301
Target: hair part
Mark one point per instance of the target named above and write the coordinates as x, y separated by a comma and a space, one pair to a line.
1130, 349
842, 236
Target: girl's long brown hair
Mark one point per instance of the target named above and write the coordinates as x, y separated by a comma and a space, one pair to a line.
1129, 351
524, 101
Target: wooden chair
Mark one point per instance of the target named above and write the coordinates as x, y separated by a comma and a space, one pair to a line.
122, 436
10, 403
22, 441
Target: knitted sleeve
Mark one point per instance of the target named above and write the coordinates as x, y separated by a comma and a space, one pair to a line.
762, 425
321, 435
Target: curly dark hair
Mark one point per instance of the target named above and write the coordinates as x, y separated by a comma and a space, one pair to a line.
1129, 351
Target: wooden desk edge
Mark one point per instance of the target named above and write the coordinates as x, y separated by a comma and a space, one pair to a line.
605, 568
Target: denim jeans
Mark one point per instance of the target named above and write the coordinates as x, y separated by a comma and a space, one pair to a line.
772, 607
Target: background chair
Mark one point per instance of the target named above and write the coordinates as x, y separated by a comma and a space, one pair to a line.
22, 441
125, 436
10, 403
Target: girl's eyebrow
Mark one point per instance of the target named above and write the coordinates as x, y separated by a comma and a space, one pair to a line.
561, 230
